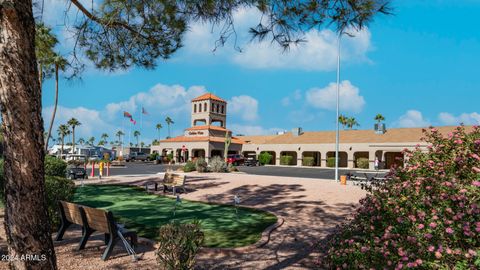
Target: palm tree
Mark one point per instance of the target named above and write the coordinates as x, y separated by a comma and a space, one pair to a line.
136, 134
91, 140
60, 64
342, 119
81, 141
101, 142
142, 144
158, 127
379, 118
351, 122
104, 137
119, 134
73, 122
169, 121
63, 131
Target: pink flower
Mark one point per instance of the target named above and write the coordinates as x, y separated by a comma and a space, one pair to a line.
433, 225
428, 236
438, 255
420, 226
476, 183
475, 169
458, 141
431, 248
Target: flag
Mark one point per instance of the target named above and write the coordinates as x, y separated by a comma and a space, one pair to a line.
127, 114
133, 121
144, 111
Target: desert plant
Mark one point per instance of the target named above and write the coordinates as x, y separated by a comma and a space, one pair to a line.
232, 168
178, 244
201, 165
169, 157
426, 216
265, 158
331, 162
153, 156
189, 166
286, 160
55, 166
363, 163
217, 164
308, 161
57, 189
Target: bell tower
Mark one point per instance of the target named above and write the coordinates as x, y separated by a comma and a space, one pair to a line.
209, 109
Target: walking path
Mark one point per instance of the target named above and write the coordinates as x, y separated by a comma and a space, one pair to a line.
310, 210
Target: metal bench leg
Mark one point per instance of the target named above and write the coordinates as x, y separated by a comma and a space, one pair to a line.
174, 190
111, 244
62, 230
107, 238
85, 236
156, 186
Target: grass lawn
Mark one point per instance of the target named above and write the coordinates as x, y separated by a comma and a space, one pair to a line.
145, 213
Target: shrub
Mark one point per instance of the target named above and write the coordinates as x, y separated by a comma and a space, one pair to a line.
286, 160
308, 161
153, 156
218, 164
201, 165
427, 216
178, 245
189, 166
363, 163
264, 158
331, 162
232, 168
55, 166
170, 157
57, 188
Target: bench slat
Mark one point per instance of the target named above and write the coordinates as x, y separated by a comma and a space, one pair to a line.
97, 219
72, 212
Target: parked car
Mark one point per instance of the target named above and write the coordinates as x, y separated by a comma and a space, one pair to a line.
235, 159
136, 156
76, 172
251, 160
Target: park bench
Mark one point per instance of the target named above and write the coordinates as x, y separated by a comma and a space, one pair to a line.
170, 180
91, 220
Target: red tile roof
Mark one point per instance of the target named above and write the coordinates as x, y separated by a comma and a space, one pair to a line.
208, 96
207, 127
201, 139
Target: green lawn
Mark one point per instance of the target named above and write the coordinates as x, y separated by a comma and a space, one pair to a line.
145, 213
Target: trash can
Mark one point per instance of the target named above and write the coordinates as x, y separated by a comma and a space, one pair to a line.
343, 180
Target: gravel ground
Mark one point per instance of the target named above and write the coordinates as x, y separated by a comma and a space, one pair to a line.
310, 208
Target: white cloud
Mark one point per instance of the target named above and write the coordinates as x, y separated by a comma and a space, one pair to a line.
253, 130
412, 118
244, 106
319, 52
465, 118
171, 100
91, 121
296, 96
325, 98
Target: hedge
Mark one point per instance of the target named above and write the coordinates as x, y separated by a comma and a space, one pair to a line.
308, 161
286, 160
362, 163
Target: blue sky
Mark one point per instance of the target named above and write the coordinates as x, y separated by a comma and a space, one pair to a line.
419, 67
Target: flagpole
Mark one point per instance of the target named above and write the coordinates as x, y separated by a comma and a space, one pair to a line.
123, 136
130, 135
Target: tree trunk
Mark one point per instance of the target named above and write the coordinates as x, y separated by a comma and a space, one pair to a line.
52, 120
27, 224
73, 140
61, 149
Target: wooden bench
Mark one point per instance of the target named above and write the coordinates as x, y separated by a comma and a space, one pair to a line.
91, 220
170, 180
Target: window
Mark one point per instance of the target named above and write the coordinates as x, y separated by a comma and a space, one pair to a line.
205, 106
194, 108
199, 107
222, 109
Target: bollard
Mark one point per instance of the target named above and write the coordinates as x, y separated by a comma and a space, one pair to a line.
108, 168
92, 174
343, 180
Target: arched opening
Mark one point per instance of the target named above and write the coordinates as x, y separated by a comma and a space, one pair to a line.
181, 155
222, 109
205, 107
194, 108
199, 122
361, 160
197, 153
393, 159
311, 158
199, 107
272, 159
216, 153
288, 158
342, 159
217, 122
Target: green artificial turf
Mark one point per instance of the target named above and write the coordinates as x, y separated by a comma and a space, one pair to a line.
146, 213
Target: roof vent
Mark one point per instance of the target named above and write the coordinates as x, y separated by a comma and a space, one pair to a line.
297, 131
380, 128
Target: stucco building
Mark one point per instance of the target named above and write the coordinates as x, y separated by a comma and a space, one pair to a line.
206, 138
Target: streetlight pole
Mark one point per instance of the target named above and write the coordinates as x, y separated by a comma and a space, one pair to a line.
337, 129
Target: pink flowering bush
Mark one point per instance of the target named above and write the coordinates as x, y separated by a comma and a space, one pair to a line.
427, 216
